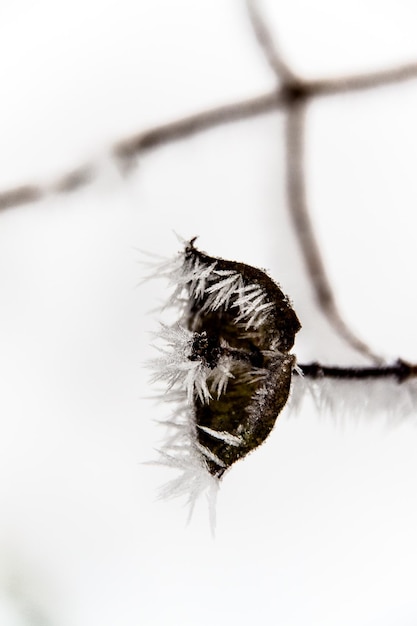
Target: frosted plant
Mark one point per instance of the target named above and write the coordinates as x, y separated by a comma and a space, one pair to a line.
226, 364
228, 370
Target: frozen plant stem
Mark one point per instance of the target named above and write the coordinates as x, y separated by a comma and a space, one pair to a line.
400, 370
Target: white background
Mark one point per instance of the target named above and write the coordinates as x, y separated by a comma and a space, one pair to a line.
318, 526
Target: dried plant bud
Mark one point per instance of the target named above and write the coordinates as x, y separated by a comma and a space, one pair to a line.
229, 358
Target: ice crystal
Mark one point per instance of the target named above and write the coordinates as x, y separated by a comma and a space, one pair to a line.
176, 365
385, 398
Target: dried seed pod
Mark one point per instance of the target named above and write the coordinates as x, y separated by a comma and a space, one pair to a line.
229, 356
243, 317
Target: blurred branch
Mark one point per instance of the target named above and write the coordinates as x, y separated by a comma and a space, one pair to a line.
362, 82
268, 45
67, 183
292, 96
128, 148
20, 195
299, 213
125, 150
298, 94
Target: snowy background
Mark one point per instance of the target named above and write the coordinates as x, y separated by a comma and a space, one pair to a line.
316, 527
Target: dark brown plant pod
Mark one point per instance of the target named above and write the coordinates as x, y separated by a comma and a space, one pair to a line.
229, 356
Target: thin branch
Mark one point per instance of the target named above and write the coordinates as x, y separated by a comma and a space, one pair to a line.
67, 183
20, 195
126, 149
363, 82
293, 97
294, 137
400, 370
267, 43
193, 124
73, 180
298, 94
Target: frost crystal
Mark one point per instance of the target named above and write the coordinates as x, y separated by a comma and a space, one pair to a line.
225, 363
177, 367
386, 398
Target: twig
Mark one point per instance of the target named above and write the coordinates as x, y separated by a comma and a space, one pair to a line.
188, 126
294, 139
268, 45
400, 370
363, 82
67, 183
126, 149
293, 96
20, 195
298, 94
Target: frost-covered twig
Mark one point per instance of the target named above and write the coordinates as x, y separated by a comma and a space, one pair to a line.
385, 392
401, 371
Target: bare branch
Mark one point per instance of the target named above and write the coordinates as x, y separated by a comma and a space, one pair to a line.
266, 42
400, 370
20, 195
69, 182
294, 95
297, 202
297, 94
188, 126
126, 149
362, 82
73, 180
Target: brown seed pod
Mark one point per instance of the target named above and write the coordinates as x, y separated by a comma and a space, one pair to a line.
229, 362
241, 317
